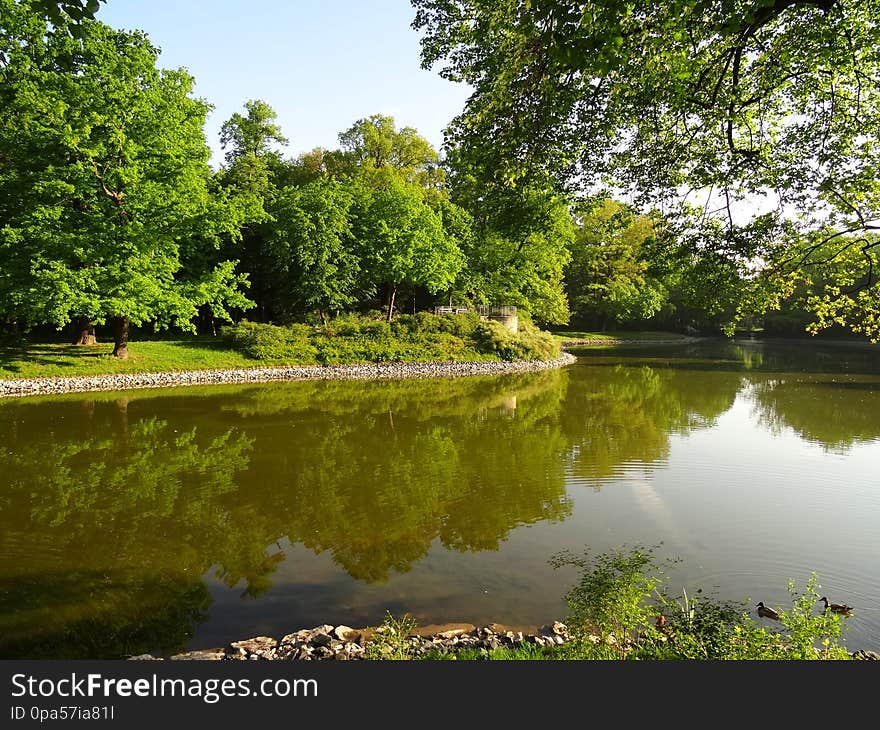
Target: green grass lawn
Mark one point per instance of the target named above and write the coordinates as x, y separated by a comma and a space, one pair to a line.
614, 336
40, 360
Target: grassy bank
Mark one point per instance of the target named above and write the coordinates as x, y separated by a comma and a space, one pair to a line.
347, 340
616, 336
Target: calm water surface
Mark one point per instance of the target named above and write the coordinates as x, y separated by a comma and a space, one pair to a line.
152, 521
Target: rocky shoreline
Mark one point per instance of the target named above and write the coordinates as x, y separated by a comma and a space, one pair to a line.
328, 642
343, 643
127, 381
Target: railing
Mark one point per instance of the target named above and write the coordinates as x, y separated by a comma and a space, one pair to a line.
483, 311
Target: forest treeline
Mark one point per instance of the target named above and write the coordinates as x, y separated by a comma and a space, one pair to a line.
110, 213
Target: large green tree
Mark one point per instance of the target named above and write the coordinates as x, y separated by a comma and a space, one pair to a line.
519, 241
401, 238
609, 277
313, 259
761, 114
406, 230
254, 174
105, 182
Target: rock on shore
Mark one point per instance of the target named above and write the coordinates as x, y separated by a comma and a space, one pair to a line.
126, 381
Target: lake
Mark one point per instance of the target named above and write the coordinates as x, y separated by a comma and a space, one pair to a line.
157, 521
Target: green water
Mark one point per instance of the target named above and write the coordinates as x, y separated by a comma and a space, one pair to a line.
154, 521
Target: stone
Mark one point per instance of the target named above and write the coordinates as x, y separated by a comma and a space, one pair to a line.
258, 643
321, 640
322, 652
345, 633
451, 634
866, 655
201, 655
297, 637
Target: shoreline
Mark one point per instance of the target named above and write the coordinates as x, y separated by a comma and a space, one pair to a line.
340, 643
581, 342
22, 387
328, 642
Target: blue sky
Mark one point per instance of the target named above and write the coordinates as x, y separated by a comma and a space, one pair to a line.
320, 65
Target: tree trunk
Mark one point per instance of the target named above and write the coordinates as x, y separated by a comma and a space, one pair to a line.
391, 297
323, 317
84, 331
120, 337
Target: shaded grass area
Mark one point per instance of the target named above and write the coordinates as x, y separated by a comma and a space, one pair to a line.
45, 360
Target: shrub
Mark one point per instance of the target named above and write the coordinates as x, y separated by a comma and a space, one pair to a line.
376, 329
269, 342
529, 343
536, 344
363, 338
613, 610
391, 640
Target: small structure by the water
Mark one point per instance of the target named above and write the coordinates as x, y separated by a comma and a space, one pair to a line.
507, 315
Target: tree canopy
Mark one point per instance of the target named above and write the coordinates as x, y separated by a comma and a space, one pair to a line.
609, 276
759, 114
107, 204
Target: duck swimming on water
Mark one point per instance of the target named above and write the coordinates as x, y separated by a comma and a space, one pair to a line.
836, 607
766, 611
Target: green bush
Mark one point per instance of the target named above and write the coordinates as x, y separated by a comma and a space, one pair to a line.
529, 343
409, 338
269, 342
613, 610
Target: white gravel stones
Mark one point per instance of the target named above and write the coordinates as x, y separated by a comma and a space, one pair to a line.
385, 371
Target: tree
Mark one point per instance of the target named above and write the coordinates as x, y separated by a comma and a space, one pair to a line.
105, 168
374, 142
837, 288
252, 134
314, 265
767, 110
609, 273
401, 238
254, 174
519, 243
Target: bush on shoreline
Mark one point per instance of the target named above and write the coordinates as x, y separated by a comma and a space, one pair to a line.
422, 337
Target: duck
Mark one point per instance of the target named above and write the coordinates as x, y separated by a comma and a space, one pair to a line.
767, 612
836, 607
